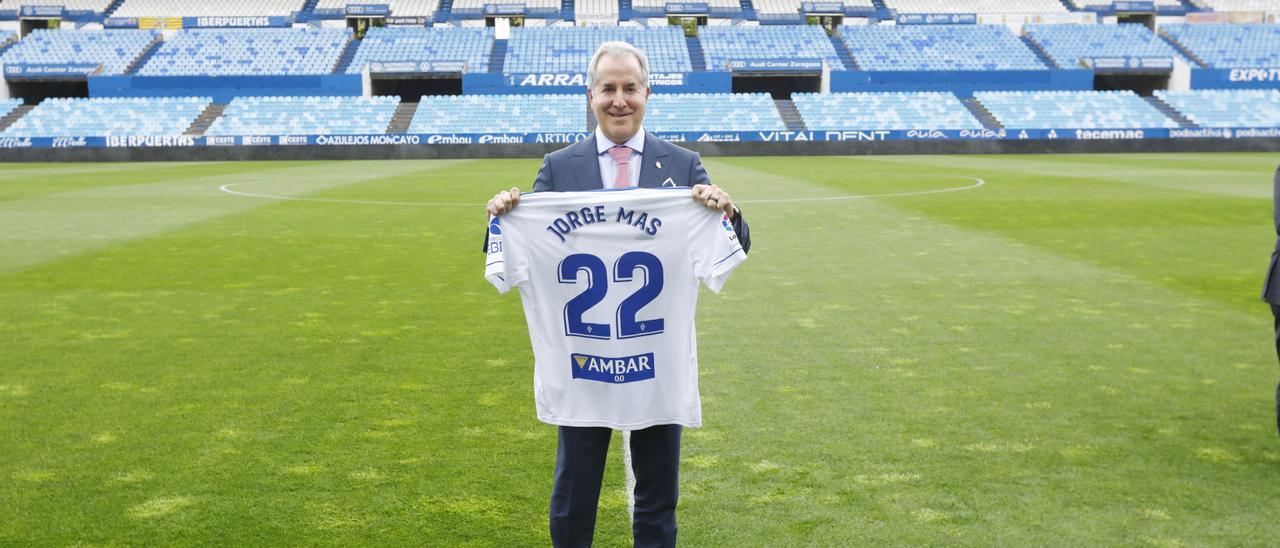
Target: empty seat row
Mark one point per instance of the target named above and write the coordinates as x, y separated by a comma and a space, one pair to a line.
1072, 109
712, 112
724, 44
225, 52
500, 114
569, 49
940, 47
888, 111
113, 116
115, 50
1227, 46
1068, 44
200, 8
1226, 108
399, 44
976, 6
305, 116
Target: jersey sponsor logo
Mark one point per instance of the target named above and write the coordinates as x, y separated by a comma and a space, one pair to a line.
612, 370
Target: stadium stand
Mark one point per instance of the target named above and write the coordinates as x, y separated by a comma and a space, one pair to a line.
717, 7
724, 44
976, 6
1239, 5
500, 114
476, 7
7, 106
409, 8
1103, 4
891, 111
390, 44
1226, 108
194, 8
111, 116
940, 47
569, 49
712, 112
115, 50
96, 6
1227, 46
595, 10
305, 116
1067, 44
1072, 109
792, 7
226, 52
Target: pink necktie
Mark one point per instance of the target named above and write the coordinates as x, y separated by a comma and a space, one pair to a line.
621, 156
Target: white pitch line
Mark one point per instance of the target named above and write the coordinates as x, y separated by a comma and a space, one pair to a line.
978, 182
630, 473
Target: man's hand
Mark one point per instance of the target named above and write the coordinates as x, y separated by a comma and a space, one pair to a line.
713, 197
504, 201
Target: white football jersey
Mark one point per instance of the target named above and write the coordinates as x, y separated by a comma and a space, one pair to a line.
609, 282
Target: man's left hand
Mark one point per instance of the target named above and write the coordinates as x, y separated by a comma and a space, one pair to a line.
713, 197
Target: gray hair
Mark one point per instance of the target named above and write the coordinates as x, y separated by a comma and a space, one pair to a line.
617, 49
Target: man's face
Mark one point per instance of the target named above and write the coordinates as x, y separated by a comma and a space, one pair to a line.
618, 97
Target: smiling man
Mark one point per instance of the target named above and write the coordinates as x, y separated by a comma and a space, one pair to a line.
620, 154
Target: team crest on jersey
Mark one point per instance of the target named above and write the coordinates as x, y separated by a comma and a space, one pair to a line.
612, 370
494, 228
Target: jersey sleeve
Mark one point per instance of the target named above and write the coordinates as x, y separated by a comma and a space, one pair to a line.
500, 268
715, 249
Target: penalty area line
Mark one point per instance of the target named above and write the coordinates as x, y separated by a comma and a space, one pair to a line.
227, 188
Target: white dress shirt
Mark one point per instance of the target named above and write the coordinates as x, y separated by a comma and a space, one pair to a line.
609, 168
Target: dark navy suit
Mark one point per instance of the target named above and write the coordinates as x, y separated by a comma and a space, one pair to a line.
655, 451
1271, 288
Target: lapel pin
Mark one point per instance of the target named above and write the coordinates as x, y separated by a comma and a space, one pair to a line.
659, 164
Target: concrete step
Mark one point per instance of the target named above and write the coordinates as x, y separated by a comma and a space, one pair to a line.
14, 116
348, 55
790, 114
1171, 112
205, 119
146, 55
498, 57
402, 118
983, 115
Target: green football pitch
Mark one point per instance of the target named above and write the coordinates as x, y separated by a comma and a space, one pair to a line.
974, 350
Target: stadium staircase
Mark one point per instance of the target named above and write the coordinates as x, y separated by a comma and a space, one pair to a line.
1190, 6
749, 10
566, 10
1067, 4
146, 55
1039, 51
982, 114
1169, 111
112, 7
205, 119
696, 57
1183, 50
498, 56
403, 117
348, 55
14, 116
444, 11
842, 51
790, 114
625, 10
308, 9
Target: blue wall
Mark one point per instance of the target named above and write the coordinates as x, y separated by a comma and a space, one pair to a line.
224, 88
1235, 78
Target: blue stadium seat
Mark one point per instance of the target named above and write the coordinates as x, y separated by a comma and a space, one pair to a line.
569, 49
114, 49
938, 47
891, 111
1229, 46
228, 52
500, 114
1072, 109
471, 45
1067, 44
110, 116
1226, 107
7, 106
712, 112
305, 116
730, 43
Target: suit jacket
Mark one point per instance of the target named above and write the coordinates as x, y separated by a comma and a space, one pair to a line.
1271, 287
577, 168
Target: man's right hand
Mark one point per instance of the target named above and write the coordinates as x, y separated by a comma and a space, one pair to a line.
504, 201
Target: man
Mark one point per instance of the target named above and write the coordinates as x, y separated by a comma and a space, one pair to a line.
619, 155
1271, 289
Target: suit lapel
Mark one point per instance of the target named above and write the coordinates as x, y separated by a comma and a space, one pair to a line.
586, 167
655, 155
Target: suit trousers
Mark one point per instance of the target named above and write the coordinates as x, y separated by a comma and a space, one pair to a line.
580, 458
1275, 313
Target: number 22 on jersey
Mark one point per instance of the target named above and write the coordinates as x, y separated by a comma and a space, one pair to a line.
624, 270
